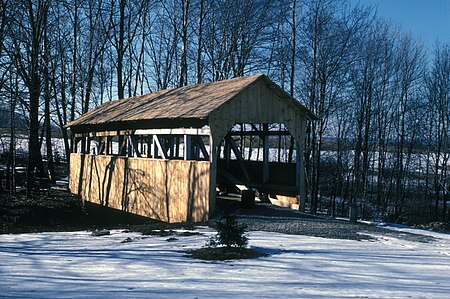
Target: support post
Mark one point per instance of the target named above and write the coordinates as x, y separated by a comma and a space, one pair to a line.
154, 146
108, 145
102, 145
122, 145
75, 144
212, 177
150, 146
88, 145
177, 146
227, 152
265, 153
134, 146
171, 147
187, 147
83, 145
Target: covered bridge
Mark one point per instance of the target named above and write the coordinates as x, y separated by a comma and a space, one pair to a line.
165, 155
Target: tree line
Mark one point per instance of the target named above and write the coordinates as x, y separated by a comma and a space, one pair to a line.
381, 144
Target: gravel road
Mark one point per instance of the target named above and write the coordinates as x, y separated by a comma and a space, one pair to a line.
267, 217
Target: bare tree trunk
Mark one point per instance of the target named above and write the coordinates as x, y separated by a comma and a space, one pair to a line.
200, 42
184, 27
47, 112
73, 86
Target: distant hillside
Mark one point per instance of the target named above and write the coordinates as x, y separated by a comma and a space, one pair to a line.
21, 121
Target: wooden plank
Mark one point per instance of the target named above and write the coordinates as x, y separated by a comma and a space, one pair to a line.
104, 133
160, 189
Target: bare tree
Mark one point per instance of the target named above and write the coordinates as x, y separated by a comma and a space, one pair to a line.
438, 85
27, 34
409, 73
330, 38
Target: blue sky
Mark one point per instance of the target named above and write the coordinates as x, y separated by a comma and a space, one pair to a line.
428, 20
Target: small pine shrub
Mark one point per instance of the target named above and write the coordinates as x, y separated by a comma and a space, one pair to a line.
229, 233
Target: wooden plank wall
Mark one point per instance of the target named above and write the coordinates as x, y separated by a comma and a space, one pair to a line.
167, 190
257, 104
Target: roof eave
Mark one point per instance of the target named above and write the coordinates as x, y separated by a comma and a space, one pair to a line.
165, 123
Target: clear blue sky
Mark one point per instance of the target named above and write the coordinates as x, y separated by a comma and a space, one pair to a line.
428, 20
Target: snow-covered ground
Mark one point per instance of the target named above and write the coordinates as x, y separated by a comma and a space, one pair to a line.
77, 264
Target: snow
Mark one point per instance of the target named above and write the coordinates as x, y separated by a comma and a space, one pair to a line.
77, 264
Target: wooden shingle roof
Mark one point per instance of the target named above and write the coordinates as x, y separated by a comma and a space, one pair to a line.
187, 106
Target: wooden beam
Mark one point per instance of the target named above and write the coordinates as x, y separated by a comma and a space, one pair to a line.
238, 154
168, 131
134, 146
202, 147
142, 124
232, 179
260, 133
159, 147
179, 131
105, 133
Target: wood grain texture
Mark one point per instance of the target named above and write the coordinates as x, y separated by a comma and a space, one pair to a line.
167, 190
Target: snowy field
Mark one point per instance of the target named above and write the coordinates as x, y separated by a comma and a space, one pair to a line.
79, 265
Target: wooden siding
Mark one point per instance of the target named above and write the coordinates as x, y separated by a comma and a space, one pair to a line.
258, 104
167, 190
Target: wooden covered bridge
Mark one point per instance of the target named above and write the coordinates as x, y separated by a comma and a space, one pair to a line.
164, 155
